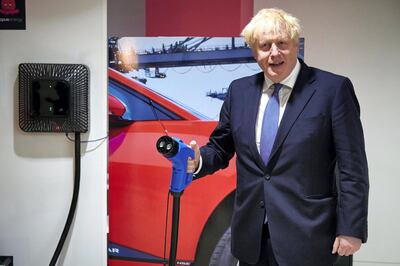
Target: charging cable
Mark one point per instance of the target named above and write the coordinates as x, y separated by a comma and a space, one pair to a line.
74, 201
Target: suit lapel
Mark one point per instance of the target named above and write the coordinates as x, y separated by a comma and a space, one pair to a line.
253, 102
301, 94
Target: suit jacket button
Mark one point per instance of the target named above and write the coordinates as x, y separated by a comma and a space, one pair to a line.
261, 204
267, 177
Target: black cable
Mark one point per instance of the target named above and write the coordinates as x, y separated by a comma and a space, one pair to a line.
86, 141
165, 230
73, 202
175, 228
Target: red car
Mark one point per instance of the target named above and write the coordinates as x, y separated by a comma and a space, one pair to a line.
139, 178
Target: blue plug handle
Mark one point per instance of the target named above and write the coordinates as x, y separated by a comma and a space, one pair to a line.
180, 178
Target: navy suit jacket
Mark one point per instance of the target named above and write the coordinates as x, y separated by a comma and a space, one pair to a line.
315, 185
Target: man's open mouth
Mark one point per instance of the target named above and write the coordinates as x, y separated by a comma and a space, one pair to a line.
276, 64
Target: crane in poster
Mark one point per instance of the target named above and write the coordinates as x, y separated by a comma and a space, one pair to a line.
187, 52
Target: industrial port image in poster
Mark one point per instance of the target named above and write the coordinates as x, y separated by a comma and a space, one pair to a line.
194, 71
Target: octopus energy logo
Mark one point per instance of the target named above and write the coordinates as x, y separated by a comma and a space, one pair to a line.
8, 7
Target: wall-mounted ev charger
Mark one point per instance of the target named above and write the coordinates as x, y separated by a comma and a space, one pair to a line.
54, 98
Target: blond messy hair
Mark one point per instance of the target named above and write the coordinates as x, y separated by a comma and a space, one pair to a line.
272, 20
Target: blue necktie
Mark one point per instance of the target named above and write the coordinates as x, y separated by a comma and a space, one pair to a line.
270, 124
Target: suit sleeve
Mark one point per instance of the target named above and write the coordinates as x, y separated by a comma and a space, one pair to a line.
220, 148
353, 184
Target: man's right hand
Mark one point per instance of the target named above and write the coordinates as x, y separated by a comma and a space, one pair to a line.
193, 163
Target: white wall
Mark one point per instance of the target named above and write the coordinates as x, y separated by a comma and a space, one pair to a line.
36, 178
360, 39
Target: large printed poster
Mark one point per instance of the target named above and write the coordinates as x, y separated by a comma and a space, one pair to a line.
174, 86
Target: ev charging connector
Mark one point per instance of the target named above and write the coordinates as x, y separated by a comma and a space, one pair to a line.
178, 153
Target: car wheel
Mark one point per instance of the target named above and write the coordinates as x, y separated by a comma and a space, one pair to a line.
222, 255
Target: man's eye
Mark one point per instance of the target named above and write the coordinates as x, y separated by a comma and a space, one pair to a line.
266, 46
282, 45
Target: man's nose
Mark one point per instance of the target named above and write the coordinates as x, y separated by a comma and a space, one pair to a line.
274, 49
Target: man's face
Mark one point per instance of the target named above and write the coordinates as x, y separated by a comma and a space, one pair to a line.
276, 54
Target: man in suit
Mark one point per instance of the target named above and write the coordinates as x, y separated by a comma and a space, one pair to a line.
302, 175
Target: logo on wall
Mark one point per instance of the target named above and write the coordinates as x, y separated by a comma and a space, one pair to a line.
8, 7
12, 15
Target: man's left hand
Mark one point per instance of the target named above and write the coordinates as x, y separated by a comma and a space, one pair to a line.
346, 245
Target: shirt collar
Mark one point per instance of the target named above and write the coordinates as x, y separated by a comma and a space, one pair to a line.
289, 81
